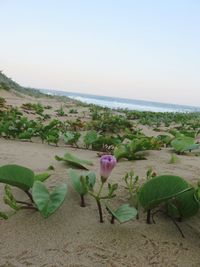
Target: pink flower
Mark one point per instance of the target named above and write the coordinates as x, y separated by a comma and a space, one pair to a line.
107, 163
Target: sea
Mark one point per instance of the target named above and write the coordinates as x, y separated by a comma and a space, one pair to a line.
123, 103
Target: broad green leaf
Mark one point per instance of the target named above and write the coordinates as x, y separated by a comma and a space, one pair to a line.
90, 138
120, 151
189, 133
192, 147
184, 143
132, 150
112, 188
82, 183
166, 139
71, 137
124, 213
16, 175
68, 136
198, 192
77, 184
187, 203
42, 176
47, 203
172, 210
160, 189
91, 179
75, 161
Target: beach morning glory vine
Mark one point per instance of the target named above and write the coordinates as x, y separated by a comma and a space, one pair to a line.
84, 183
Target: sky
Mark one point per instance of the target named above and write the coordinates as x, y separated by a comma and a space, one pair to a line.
140, 49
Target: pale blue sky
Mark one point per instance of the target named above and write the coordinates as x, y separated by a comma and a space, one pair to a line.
134, 49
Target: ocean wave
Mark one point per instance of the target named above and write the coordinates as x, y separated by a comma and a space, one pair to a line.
122, 103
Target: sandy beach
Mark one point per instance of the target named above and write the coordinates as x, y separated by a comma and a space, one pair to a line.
73, 237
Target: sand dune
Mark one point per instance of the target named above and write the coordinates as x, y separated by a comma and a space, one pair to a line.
72, 236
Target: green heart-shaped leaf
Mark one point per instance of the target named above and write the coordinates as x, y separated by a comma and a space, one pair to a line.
184, 143
124, 213
16, 175
91, 179
187, 203
77, 183
90, 138
75, 161
160, 189
81, 183
47, 203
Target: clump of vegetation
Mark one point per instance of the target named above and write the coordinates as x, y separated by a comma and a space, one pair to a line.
165, 139
60, 111
168, 194
131, 149
4, 86
38, 108
171, 195
71, 138
100, 142
75, 125
73, 111
166, 119
48, 107
117, 134
14, 125
107, 122
183, 143
33, 186
51, 132
132, 185
2, 102
84, 184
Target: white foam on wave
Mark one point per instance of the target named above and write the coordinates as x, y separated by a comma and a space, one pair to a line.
120, 103
116, 105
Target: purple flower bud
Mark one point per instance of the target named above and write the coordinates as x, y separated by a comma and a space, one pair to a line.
107, 163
